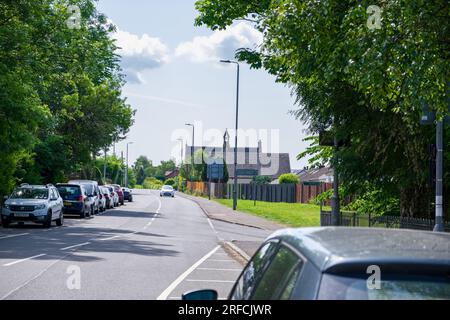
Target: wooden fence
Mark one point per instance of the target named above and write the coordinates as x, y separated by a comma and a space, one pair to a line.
290, 193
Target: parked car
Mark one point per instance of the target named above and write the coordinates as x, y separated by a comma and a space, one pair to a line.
92, 191
114, 196
109, 198
127, 195
33, 203
101, 200
167, 191
118, 189
345, 264
76, 200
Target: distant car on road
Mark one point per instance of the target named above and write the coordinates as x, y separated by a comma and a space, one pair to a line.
118, 189
92, 191
33, 203
127, 195
167, 191
345, 264
76, 200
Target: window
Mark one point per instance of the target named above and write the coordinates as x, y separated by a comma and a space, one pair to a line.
246, 283
280, 277
29, 193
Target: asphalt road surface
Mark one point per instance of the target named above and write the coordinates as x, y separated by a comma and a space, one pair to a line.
152, 248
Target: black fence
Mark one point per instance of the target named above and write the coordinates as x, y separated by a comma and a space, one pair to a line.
353, 219
265, 192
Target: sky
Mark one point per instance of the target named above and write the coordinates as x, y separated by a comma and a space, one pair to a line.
174, 77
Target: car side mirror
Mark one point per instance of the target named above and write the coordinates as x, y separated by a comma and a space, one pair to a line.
205, 295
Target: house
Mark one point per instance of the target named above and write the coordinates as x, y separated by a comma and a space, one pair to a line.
171, 174
251, 161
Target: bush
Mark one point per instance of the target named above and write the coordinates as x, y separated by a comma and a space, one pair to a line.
288, 178
262, 179
138, 187
153, 184
170, 182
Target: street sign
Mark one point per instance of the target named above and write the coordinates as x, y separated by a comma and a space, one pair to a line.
428, 116
247, 172
215, 171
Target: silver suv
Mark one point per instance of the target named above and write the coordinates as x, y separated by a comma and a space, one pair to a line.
38, 204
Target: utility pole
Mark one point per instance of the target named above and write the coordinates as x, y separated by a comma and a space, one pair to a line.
335, 201
121, 161
439, 226
104, 168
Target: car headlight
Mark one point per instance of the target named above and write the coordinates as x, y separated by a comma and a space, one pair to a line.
6, 206
39, 207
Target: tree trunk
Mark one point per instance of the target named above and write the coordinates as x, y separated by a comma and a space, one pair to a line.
415, 202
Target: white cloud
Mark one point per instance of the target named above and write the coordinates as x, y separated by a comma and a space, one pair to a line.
139, 53
221, 44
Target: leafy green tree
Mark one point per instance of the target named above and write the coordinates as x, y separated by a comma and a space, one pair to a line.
262, 179
365, 85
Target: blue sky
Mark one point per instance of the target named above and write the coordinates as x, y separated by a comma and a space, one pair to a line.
174, 77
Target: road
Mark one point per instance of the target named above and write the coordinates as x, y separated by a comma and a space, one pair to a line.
152, 248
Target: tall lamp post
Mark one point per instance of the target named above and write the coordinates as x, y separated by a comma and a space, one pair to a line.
126, 169
236, 134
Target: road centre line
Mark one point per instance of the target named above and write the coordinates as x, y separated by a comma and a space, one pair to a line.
166, 293
14, 235
75, 246
23, 260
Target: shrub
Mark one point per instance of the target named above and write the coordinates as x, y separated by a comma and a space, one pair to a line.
262, 179
288, 178
170, 182
153, 183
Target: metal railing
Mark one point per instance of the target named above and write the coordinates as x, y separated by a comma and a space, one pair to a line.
353, 219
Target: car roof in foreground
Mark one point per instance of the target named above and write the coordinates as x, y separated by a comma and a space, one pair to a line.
329, 247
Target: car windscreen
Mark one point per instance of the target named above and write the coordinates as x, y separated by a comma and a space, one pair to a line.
29, 193
390, 287
69, 191
167, 188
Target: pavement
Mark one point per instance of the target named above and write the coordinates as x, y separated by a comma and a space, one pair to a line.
152, 248
218, 212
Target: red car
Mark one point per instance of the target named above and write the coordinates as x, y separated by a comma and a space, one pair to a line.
118, 189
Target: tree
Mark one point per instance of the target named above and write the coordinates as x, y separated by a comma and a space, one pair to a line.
60, 100
262, 179
367, 86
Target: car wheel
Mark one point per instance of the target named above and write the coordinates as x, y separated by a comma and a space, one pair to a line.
48, 220
5, 224
122, 203
83, 213
60, 221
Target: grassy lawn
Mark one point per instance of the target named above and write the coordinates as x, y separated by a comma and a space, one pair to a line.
291, 214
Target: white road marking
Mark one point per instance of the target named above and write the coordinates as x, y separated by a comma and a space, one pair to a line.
168, 291
110, 238
214, 229
22, 260
219, 281
221, 260
217, 269
75, 246
14, 235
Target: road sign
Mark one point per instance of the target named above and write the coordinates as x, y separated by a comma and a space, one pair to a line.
247, 172
215, 171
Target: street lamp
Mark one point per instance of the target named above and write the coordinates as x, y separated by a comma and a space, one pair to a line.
236, 134
126, 169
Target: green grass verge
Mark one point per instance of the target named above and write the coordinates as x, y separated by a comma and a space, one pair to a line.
290, 214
